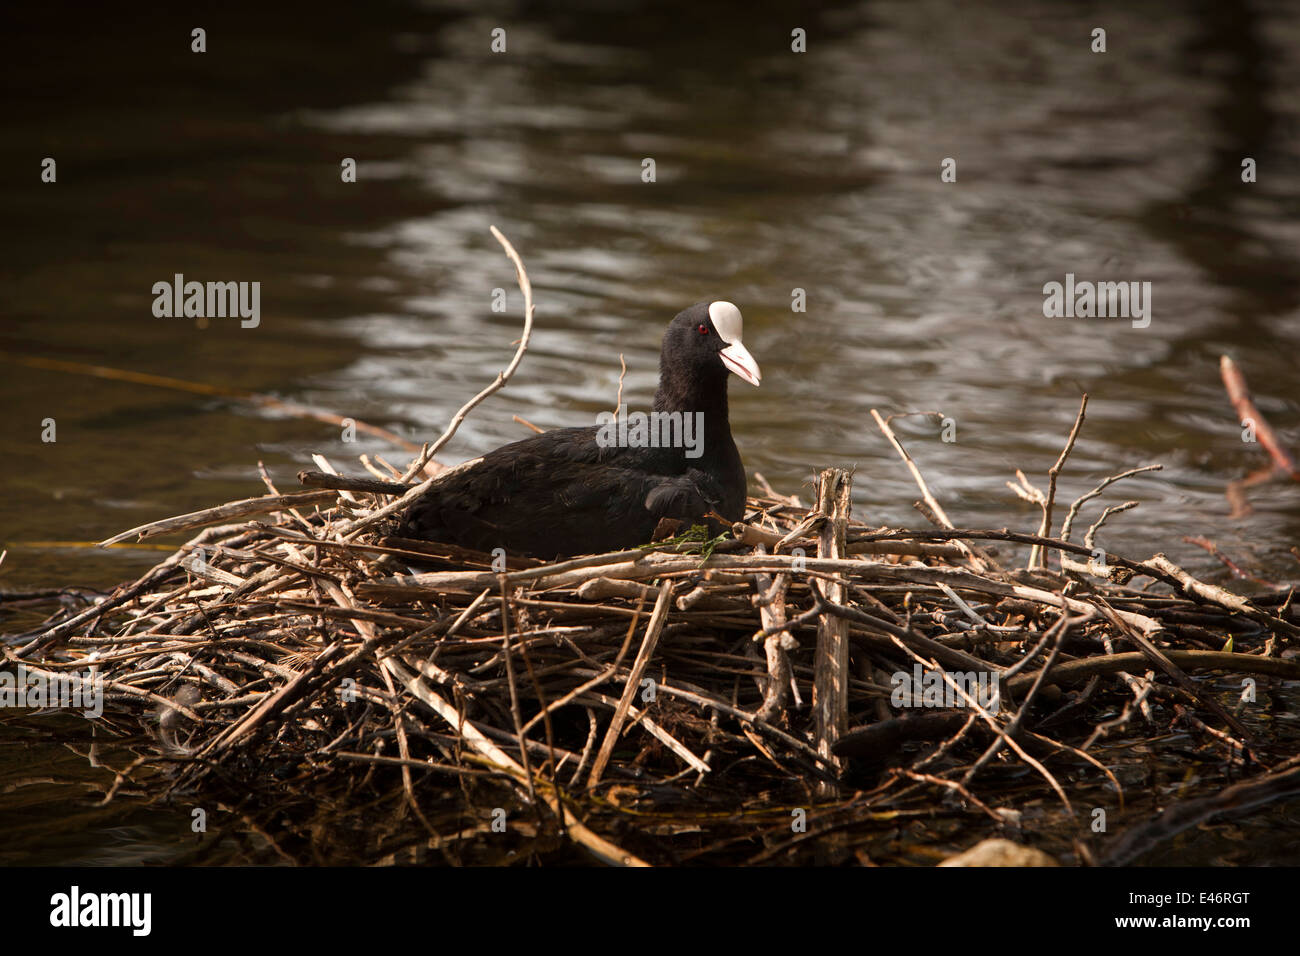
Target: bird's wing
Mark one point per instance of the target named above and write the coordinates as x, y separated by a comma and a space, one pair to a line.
566, 493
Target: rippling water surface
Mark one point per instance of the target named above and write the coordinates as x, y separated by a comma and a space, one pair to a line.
775, 172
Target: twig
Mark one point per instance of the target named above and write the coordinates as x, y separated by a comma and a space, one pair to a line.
618, 402
355, 527
201, 388
1037, 557
573, 828
980, 562
770, 597
226, 512
1247, 411
319, 479
831, 661
653, 629
1078, 502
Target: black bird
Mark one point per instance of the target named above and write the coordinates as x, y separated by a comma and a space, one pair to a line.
606, 487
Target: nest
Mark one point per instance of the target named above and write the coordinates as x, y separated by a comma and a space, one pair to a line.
693, 689
803, 683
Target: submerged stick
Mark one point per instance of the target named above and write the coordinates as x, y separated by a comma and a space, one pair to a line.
1238, 799
201, 388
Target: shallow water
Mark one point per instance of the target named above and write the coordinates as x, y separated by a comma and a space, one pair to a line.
774, 171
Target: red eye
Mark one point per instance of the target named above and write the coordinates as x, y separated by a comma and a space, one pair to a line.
704, 329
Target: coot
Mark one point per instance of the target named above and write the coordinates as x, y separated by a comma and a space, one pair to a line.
606, 487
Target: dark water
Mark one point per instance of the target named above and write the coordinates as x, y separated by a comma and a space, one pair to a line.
775, 171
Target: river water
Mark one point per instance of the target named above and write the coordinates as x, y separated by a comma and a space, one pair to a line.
775, 171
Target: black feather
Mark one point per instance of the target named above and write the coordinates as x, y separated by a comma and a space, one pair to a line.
561, 493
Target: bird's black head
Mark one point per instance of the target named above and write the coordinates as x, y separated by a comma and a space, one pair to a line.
704, 343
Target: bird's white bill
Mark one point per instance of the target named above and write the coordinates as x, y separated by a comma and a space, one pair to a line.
737, 358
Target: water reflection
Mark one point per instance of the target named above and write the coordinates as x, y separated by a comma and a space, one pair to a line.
820, 172
775, 171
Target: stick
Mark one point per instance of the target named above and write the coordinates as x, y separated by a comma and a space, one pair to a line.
1238, 799
319, 479
831, 662
573, 828
1220, 596
233, 509
911, 466
770, 598
979, 561
1038, 557
648, 643
154, 575
1239, 395
1078, 502
352, 529
200, 388
1078, 671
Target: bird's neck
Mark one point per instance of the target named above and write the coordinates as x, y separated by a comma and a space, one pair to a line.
706, 395
687, 393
